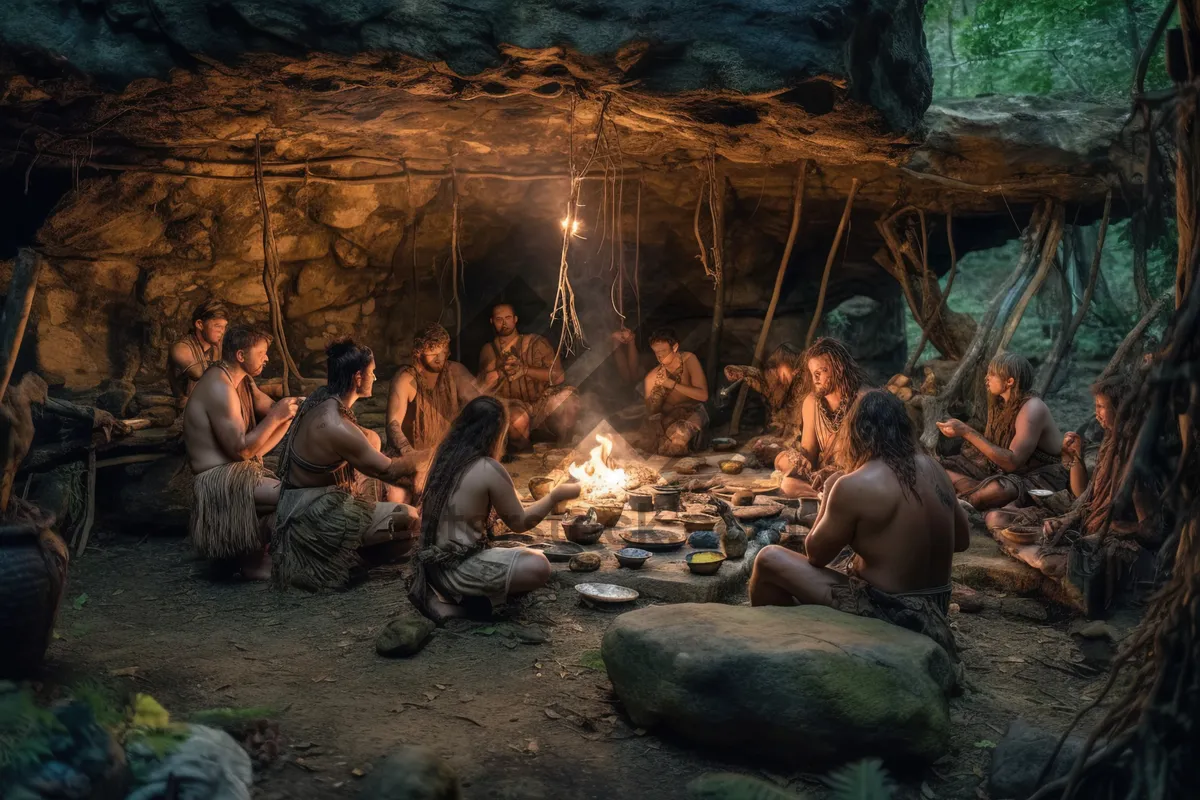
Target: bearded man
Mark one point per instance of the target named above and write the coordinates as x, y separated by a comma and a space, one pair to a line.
836, 380
781, 382
424, 399
190, 356
228, 426
1020, 448
524, 371
329, 504
895, 508
675, 392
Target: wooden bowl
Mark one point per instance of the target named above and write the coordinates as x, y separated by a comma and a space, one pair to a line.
698, 522
710, 563
540, 486
608, 516
583, 532
1020, 534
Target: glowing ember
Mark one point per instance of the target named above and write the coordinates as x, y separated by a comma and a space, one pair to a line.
597, 475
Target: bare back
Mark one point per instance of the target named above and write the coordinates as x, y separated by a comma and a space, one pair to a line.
901, 543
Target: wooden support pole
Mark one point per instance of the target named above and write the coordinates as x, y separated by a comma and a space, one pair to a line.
760, 346
937, 312
1135, 335
17, 305
89, 517
837, 240
1049, 250
1063, 345
271, 272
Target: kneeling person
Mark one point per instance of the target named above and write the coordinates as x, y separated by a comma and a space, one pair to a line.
326, 511
897, 511
675, 393
467, 488
228, 426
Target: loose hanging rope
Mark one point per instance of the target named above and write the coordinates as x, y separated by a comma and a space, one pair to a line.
271, 272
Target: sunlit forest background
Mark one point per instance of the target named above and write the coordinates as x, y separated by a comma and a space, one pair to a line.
1076, 51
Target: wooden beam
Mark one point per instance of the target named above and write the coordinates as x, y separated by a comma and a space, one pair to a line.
21, 289
837, 240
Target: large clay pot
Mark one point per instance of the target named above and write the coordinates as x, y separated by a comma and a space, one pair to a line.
33, 573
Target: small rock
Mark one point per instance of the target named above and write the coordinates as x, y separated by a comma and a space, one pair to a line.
412, 773
1018, 759
1023, 608
404, 637
585, 562
531, 634
1097, 629
705, 540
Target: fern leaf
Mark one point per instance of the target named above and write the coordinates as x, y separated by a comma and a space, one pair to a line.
862, 780
732, 786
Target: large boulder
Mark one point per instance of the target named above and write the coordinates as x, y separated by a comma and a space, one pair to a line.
803, 685
1018, 760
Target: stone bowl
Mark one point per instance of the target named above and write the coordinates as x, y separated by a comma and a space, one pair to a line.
640, 501
608, 516
580, 531
632, 557
732, 466
723, 444
698, 522
710, 561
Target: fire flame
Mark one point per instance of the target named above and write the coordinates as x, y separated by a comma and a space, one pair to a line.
597, 474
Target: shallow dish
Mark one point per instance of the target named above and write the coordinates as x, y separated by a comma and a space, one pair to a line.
723, 444
560, 552
654, 539
698, 522
1040, 492
606, 592
632, 557
705, 562
1020, 534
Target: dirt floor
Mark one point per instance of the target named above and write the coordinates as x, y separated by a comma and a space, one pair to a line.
515, 719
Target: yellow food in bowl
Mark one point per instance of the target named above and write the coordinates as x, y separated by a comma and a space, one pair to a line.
706, 558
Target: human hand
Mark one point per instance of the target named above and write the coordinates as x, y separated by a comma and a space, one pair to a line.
622, 336
825, 478
1072, 445
566, 491
1051, 526
953, 428
285, 409
734, 373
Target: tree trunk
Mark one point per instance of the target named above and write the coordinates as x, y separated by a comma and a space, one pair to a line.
837, 240
21, 289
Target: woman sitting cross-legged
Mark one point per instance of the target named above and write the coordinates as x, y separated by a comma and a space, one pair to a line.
466, 490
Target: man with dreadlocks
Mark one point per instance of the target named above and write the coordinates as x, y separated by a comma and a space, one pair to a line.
895, 508
329, 504
228, 426
836, 380
675, 392
781, 382
523, 370
190, 356
467, 489
1020, 448
425, 398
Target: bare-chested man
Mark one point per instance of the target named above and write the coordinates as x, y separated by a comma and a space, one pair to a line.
675, 392
228, 425
197, 351
326, 511
425, 398
467, 488
781, 382
896, 510
523, 370
836, 380
1020, 448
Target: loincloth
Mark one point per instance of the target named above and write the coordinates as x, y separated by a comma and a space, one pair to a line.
690, 418
922, 611
1053, 477
224, 521
539, 409
1041, 509
317, 535
487, 573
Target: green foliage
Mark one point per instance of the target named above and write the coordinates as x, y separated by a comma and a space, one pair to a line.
862, 780
25, 731
232, 718
109, 706
592, 660
732, 786
1085, 48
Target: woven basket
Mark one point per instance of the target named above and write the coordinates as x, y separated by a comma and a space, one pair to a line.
33, 571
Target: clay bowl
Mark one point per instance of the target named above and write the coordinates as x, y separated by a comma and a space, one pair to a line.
698, 522
639, 501
608, 516
1020, 534
711, 561
580, 531
666, 499
732, 466
632, 557
540, 486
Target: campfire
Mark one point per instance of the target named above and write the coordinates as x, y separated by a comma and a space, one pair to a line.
599, 476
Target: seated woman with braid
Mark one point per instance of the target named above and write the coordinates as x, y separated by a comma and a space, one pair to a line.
330, 502
466, 490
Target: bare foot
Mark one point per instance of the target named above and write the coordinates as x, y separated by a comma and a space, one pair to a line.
256, 567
